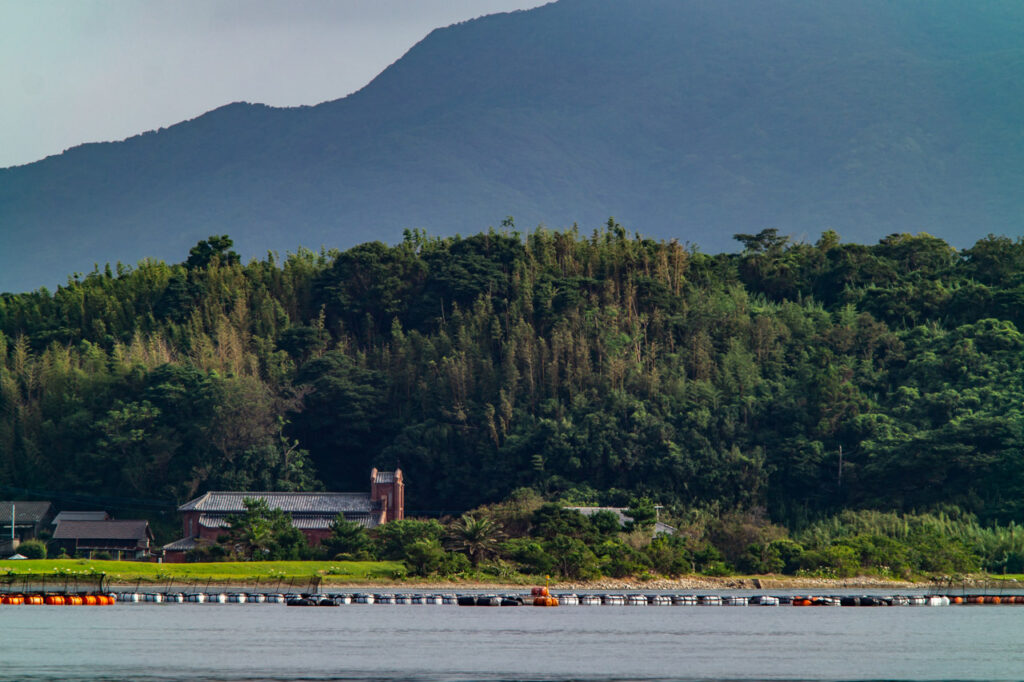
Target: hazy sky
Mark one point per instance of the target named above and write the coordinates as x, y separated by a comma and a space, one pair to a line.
74, 71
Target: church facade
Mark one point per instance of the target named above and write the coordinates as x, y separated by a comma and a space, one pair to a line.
205, 518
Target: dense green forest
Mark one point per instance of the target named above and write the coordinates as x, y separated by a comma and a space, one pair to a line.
790, 380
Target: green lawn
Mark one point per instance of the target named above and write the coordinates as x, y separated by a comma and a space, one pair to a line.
266, 571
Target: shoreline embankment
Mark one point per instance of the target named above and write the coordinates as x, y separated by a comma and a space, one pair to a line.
681, 584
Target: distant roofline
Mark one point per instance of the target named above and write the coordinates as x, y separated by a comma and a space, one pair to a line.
243, 494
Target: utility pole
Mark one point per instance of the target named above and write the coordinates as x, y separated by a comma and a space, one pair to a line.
12, 526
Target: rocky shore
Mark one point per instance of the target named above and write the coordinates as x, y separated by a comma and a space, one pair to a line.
690, 583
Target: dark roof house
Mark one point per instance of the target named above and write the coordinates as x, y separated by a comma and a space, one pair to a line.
30, 519
128, 539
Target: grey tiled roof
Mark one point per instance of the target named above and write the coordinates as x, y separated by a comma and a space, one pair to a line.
315, 503
367, 521
81, 516
102, 530
659, 527
24, 512
182, 545
300, 521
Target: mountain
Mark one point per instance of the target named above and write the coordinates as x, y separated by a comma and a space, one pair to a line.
688, 119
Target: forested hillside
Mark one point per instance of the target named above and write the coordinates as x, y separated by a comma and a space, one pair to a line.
599, 366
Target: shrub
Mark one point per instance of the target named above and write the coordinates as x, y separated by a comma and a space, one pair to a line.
553, 520
32, 549
453, 564
573, 559
717, 568
424, 556
669, 555
348, 538
605, 523
706, 556
840, 561
395, 538
207, 553
619, 560
529, 555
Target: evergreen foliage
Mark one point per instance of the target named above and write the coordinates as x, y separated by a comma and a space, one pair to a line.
604, 367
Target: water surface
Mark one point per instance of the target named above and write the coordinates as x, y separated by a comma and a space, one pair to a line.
270, 642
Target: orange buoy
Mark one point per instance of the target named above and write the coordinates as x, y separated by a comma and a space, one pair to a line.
54, 600
90, 600
958, 600
73, 600
112, 599
34, 600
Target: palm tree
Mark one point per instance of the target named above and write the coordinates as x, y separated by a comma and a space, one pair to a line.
477, 537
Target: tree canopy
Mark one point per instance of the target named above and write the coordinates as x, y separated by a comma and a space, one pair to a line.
605, 367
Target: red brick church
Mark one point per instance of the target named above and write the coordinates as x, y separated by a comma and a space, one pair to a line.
206, 517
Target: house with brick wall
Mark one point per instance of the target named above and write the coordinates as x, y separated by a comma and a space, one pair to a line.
205, 518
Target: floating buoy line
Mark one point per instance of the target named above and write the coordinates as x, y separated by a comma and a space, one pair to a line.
91, 590
537, 597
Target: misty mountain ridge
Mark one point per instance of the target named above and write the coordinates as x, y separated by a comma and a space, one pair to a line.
685, 119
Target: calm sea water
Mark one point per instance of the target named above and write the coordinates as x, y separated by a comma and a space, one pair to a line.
273, 642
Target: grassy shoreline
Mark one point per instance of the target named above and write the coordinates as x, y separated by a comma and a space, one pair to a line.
390, 574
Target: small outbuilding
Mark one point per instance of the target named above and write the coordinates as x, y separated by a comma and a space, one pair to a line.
622, 513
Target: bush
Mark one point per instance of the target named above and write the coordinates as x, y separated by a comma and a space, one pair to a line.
395, 538
424, 556
707, 556
619, 560
777, 556
32, 549
207, 553
529, 555
553, 520
605, 523
453, 564
102, 556
348, 538
669, 555
573, 559
717, 568
840, 561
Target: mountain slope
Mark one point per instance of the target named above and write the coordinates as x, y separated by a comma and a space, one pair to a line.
689, 119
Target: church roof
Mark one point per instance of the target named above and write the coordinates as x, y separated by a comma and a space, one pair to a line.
293, 503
